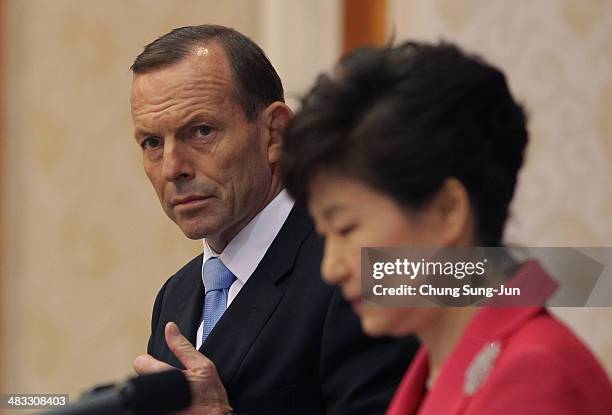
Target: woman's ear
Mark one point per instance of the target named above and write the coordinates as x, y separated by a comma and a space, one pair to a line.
453, 213
277, 116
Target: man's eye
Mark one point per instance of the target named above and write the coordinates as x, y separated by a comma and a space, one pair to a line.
150, 143
203, 131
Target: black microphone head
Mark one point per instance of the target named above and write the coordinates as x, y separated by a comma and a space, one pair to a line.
158, 393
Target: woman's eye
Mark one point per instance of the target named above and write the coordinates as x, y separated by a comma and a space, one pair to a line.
345, 230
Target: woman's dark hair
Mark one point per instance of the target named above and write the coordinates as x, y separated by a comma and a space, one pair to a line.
404, 119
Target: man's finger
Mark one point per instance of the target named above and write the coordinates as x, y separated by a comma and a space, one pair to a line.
184, 350
146, 364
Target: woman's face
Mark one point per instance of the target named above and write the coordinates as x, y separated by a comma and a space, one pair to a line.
351, 215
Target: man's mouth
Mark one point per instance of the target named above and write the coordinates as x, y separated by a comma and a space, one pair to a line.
187, 201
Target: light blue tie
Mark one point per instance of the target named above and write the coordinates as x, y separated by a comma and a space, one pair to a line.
217, 280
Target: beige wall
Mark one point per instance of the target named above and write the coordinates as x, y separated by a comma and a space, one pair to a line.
557, 55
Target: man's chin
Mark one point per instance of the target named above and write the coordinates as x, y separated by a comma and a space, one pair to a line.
196, 231
196, 236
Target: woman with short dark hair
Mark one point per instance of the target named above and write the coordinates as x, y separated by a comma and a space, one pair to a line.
420, 145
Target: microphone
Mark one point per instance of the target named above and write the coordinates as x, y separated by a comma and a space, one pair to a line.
155, 394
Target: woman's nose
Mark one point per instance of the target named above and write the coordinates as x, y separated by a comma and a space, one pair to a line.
333, 266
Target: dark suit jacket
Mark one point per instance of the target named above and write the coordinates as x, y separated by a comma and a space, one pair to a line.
288, 343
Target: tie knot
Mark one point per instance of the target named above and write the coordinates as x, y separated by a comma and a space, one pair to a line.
216, 275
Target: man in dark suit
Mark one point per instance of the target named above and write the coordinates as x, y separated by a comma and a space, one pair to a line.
270, 337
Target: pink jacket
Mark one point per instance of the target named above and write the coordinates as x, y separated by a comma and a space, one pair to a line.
514, 361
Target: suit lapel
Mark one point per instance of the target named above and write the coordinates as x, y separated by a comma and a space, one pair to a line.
186, 302
234, 334
189, 311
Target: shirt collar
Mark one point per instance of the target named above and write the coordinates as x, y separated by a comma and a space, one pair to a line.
244, 252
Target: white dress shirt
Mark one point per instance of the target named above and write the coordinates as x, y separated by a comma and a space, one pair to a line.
242, 255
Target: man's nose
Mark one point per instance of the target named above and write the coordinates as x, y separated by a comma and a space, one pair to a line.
333, 266
176, 165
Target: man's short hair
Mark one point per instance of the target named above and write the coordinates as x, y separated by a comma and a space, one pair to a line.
256, 82
403, 119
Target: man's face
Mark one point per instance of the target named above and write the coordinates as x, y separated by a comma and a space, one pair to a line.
207, 163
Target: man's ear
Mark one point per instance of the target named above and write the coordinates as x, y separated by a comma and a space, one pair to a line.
277, 116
